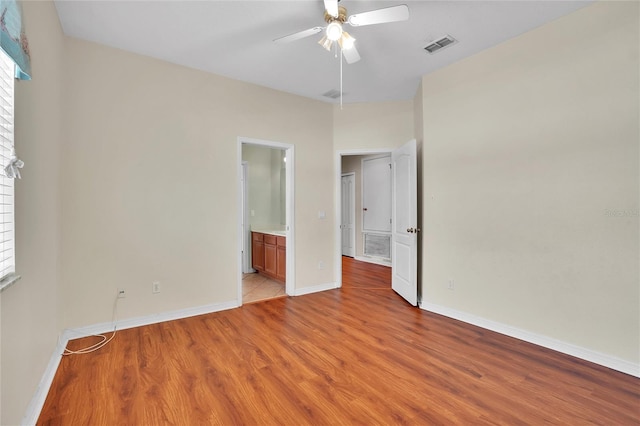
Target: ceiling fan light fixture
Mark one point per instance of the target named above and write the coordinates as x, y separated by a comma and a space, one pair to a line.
334, 31
326, 43
346, 41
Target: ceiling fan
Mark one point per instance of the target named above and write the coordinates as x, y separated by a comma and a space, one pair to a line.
336, 17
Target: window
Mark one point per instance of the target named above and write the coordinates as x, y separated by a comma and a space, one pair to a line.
7, 232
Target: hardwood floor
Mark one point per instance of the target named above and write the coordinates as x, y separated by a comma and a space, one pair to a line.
358, 355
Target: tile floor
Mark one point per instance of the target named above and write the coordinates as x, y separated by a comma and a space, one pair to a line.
257, 287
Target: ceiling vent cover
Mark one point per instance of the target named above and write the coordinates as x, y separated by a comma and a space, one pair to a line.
440, 43
333, 94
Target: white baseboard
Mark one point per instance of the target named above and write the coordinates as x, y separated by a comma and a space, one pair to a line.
315, 289
373, 260
537, 339
106, 327
37, 402
38, 399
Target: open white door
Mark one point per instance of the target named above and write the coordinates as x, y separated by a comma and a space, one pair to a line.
404, 238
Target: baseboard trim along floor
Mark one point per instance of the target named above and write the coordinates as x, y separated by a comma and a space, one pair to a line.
537, 339
315, 288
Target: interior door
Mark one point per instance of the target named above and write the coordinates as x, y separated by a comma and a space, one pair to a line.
347, 226
376, 194
404, 258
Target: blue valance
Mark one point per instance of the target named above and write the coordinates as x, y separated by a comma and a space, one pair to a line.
13, 39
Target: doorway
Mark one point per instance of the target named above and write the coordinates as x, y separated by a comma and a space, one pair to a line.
404, 229
265, 207
349, 163
348, 222
368, 229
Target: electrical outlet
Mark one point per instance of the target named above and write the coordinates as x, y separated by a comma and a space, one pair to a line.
450, 285
121, 293
155, 287
320, 264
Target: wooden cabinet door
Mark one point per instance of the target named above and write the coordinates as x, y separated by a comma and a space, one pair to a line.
257, 251
269, 254
281, 259
270, 259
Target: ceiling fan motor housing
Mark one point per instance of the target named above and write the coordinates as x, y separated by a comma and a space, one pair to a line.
342, 16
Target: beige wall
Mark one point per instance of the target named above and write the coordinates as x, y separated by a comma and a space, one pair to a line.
526, 148
378, 125
418, 116
30, 307
149, 183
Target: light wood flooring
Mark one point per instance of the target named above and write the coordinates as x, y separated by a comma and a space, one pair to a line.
256, 287
356, 355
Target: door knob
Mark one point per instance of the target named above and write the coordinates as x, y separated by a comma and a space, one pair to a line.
413, 230
410, 230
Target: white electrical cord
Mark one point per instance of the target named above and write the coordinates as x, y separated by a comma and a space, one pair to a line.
104, 340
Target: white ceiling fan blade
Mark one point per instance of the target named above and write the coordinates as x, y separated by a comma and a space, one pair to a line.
351, 55
331, 6
380, 16
297, 36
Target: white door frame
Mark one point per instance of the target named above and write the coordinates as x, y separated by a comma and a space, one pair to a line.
353, 211
290, 284
246, 258
337, 264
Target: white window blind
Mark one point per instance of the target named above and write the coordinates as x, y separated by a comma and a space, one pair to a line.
7, 232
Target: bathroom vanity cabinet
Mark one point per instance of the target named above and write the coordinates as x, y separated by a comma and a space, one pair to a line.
269, 255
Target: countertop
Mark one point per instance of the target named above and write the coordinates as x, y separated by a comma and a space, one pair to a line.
271, 232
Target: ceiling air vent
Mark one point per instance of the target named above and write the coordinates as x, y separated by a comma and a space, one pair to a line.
440, 43
333, 94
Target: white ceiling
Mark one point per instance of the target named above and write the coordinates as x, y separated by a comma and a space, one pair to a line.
234, 39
